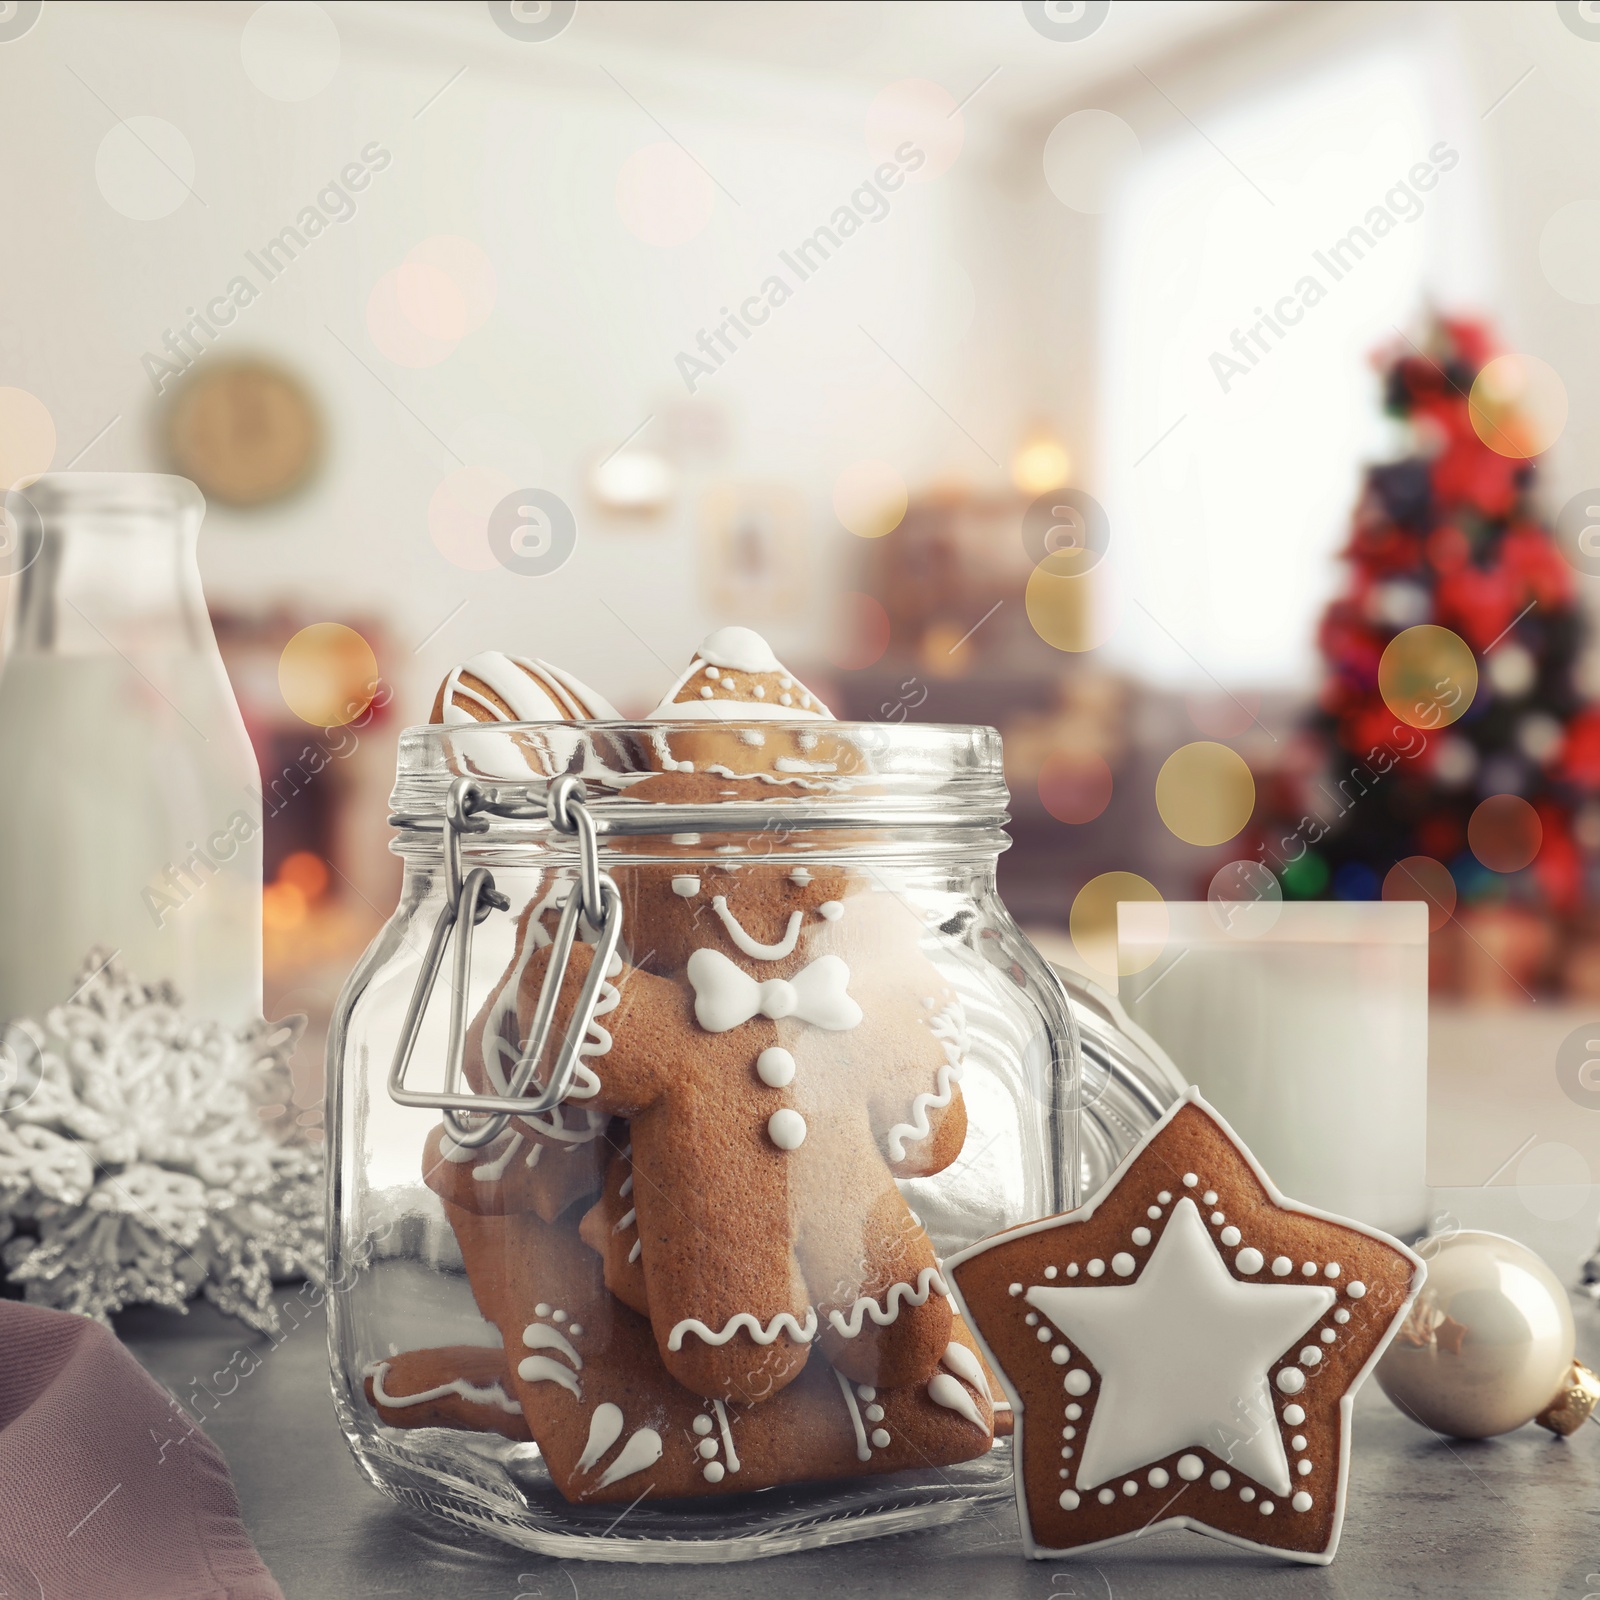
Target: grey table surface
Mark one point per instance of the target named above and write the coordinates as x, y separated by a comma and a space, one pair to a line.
1514, 1517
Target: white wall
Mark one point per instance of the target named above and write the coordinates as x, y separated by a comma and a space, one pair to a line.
520, 154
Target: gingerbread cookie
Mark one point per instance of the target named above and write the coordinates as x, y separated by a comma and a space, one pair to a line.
492, 687
614, 1426
1183, 1351
801, 1055
458, 1386
734, 678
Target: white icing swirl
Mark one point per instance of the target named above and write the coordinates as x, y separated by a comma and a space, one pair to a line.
784, 1322
848, 1324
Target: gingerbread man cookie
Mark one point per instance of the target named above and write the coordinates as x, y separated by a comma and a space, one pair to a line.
782, 1053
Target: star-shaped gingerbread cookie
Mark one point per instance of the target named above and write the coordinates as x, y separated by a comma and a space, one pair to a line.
1184, 1351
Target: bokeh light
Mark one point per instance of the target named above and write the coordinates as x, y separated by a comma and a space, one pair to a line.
1423, 878
1205, 793
1518, 406
1086, 157
1074, 785
862, 632
27, 437
327, 674
458, 515
870, 499
1040, 464
922, 114
430, 301
283, 907
663, 196
1428, 676
396, 298
1093, 923
144, 168
1069, 611
307, 871
1505, 833
290, 49
470, 272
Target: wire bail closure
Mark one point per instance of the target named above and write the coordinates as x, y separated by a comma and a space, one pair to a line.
596, 904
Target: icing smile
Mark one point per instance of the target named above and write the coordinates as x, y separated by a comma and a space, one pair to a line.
753, 947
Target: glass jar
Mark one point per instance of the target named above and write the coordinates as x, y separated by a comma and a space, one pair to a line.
130, 811
653, 1110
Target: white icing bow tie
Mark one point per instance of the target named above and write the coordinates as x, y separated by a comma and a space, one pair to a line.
725, 997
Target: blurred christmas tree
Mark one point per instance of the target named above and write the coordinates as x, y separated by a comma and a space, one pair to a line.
1452, 756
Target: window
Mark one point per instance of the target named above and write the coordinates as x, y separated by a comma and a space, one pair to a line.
1249, 272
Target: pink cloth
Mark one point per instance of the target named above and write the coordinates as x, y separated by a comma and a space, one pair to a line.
91, 1504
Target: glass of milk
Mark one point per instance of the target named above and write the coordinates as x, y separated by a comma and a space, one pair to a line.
1306, 1026
130, 813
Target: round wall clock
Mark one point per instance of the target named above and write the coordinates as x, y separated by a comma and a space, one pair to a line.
246, 431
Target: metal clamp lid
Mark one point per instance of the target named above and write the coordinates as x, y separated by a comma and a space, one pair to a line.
468, 901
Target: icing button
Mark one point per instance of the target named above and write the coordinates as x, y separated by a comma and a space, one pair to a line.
1210, 1197
1310, 1356
1230, 1237
1220, 1479
880, 1438
1141, 1236
1298, 1442
1305, 1469
1061, 1355
1106, 1496
1158, 1478
1294, 1415
775, 1067
1190, 1468
1190, 1180
1045, 1335
1355, 1290
1291, 1380
703, 1425
708, 1448
1122, 1264
1074, 1412
713, 1472
1097, 1268
1247, 1494
1049, 1272
1069, 1500
1267, 1508
1130, 1487
1331, 1270
1249, 1259
786, 1129
1301, 1501
1077, 1382
1282, 1266
1015, 1289
1309, 1269
1165, 1197
1341, 1315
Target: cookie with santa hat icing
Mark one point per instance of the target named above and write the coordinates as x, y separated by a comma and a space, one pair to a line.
735, 680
